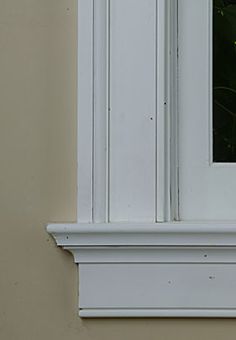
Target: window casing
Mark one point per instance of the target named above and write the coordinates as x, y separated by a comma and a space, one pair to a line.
137, 256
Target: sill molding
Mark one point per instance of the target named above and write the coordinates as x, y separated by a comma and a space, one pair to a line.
153, 270
144, 234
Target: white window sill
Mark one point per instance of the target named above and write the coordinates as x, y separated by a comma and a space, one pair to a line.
148, 270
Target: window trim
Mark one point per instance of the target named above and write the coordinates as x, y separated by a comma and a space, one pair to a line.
110, 246
208, 250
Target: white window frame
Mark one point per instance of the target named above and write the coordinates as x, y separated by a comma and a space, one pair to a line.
167, 268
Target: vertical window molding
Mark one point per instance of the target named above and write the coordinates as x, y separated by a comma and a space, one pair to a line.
134, 259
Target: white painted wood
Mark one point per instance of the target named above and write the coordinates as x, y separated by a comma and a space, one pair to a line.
142, 268
207, 191
101, 93
168, 286
139, 270
133, 110
172, 113
150, 254
85, 110
161, 126
160, 234
125, 166
152, 313
167, 111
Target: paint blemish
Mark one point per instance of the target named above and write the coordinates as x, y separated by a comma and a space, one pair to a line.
212, 277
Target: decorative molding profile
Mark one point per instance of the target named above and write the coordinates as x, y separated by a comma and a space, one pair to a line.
144, 268
176, 234
161, 270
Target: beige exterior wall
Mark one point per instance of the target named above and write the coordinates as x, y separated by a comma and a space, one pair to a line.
38, 185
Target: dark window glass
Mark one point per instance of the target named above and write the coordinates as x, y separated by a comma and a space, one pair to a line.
224, 80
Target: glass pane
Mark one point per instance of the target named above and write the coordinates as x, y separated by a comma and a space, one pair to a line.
224, 81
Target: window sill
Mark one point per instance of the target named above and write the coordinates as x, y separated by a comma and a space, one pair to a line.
153, 270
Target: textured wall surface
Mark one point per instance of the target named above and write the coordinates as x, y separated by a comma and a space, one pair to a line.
38, 186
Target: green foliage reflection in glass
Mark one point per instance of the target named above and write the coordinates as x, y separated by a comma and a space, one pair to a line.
224, 81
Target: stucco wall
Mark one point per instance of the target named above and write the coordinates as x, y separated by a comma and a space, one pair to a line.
38, 185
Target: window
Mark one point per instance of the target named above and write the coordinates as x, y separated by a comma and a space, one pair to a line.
224, 75
152, 196
206, 181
